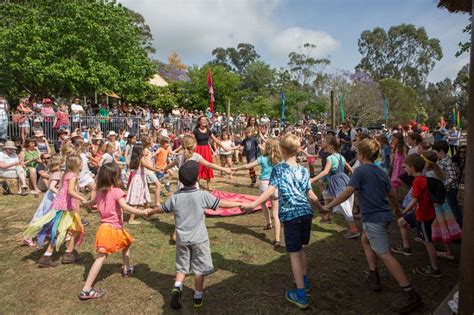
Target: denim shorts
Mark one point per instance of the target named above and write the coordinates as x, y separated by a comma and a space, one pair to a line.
297, 233
377, 234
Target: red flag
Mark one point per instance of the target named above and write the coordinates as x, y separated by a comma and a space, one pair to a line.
211, 90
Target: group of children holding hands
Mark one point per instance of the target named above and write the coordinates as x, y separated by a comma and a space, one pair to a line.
283, 180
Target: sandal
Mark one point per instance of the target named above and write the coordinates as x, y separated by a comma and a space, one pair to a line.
91, 294
445, 256
27, 242
268, 226
128, 273
277, 244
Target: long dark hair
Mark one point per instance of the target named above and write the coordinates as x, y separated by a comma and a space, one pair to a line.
130, 137
109, 176
137, 154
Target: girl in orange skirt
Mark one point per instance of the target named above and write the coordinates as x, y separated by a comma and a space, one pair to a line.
110, 237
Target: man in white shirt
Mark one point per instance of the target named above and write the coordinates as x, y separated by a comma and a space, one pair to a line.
77, 111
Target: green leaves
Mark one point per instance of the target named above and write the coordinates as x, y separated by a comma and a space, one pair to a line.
65, 48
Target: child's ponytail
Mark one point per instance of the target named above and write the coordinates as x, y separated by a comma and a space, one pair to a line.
189, 144
431, 164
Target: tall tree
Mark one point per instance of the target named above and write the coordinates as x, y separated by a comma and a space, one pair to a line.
64, 48
404, 53
403, 101
439, 99
304, 68
234, 59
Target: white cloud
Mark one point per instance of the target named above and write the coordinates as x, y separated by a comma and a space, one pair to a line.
448, 68
195, 27
290, 39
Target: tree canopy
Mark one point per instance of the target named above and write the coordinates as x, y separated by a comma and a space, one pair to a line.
64, 48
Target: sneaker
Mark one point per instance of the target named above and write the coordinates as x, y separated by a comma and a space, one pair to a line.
128, 273
428, 271
46, 262
292, 297
198, 302
176, 298
348, 234
409, 302
401, 250
70, 258
374, 280
91, 294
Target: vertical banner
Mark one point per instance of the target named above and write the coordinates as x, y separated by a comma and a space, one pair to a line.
458, 118
385, 109
341, 103
282, 109
211, 90
454, 116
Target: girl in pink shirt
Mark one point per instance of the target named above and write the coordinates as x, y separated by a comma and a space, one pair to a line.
63, 219
110, 237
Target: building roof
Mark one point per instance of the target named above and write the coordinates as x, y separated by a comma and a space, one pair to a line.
456, 6
158, 81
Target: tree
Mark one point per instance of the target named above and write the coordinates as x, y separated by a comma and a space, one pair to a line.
403, 101
175, 61
465, 46
258, 77
404, 53
439, 100
461, 91
233, 59
65, 48
305, 69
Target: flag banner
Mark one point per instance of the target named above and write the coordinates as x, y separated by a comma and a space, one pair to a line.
454, 117
211, 90
458, 119
282, 109
341, 102
385, 108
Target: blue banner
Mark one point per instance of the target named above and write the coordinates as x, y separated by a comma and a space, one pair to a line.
282, 109
385, 108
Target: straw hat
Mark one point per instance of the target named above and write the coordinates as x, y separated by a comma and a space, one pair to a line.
38, 134
111, 133
10, 145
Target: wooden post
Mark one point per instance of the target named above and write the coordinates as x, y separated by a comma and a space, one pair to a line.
466, 281
333, 110
228, 115
95, 97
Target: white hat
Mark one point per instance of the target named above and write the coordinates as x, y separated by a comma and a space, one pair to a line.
10, 145
126, 134
111, 133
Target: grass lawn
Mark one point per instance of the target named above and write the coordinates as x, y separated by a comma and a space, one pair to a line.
251, 276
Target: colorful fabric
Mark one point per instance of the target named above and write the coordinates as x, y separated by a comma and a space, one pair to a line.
293, 185
63, 200
109, 239
55, 225
397, 169
45, 205
445, 228
229, 196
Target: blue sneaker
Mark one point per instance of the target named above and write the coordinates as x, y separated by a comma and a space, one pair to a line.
292, 297
306, 285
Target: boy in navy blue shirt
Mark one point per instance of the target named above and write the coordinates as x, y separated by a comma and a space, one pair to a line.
250, 150
295, 212
375, 190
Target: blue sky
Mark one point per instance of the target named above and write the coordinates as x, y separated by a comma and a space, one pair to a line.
275, 27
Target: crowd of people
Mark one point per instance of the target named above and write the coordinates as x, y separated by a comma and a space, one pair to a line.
372, 175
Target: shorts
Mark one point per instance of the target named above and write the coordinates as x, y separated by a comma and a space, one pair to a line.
377, 234
225, 156
196, 257
297, 233
263, 185
160, 175
151, 178
422, 227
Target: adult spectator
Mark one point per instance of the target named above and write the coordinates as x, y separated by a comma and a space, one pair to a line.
48, 115
440, 133
454, 138
76, 112
104, 118
41, 143
25, 113
459, 159
32, 158
62, 118
62, 137
42, 172
346, 135
3, 117
11, 166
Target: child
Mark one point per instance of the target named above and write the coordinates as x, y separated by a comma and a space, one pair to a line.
86, 178
53, 186
225, 151
250, 150
414, 140
374, 187
310, 152
451, 179
398, 158
384, 153
111, 236
337, 181
161, 157
294, 197
108, 156
150, 171
138, 193
62, 220
270, 158
421, 218
445, 228
131, 141
192, 241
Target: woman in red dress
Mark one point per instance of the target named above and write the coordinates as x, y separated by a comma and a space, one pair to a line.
202, 134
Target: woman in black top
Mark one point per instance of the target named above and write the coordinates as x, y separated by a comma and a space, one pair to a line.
202, 135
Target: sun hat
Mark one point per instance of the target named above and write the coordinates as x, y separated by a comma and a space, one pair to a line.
111, 133
10, 145
76, 135
98, 137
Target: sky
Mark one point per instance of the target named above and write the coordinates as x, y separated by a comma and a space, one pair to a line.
193, 28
